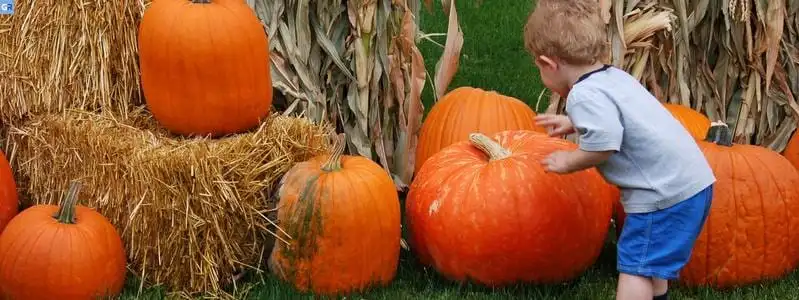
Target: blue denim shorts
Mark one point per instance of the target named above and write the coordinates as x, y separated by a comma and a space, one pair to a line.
658, 244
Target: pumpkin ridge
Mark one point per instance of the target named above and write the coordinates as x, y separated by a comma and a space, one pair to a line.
169, 49
518, 117
460, 195
215, 38
16, 240
362, 208
785, 204
452, 121
375, 194
731, 261
759, 190
734, 258
706, 230
28, 242
83, 233
56, 236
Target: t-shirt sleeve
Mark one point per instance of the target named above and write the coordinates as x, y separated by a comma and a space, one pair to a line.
596, 118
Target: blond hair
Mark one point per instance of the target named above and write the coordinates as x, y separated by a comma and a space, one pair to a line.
571, 30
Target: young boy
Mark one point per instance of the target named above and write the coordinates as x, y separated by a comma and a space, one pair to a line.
665, 181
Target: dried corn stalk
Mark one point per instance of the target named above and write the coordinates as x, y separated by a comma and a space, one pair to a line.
354, 63
735, 60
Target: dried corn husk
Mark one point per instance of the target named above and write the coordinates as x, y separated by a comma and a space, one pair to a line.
734, 60
355, 64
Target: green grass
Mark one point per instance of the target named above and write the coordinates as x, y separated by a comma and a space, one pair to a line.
415, 282
493, 57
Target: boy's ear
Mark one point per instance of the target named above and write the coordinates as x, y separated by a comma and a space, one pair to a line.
547, 61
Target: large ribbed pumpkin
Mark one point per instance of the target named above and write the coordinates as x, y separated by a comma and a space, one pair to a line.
695, 122
204, 66
750, 235
486, 210
465, 110
9, 205
61, 252
341, 215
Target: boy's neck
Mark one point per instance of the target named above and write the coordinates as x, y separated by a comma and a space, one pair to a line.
573, 72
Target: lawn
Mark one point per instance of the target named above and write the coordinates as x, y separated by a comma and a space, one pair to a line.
494, 58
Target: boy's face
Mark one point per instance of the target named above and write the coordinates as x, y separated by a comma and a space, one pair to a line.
552, 75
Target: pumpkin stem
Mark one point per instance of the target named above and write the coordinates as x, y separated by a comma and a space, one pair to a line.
719, 134
490, 147
333, 162
66, 212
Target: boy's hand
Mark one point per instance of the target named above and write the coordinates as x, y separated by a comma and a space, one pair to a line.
572, 161
557, 125
558, 162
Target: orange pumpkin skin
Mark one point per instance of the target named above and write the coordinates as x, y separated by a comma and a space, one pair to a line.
497, 222
791, 151
43, 258
695, 122
344, 224
465, 110
204, 66
750, 234
9, 201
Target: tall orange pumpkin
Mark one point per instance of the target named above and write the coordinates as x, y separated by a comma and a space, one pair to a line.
465, 110
205, 66
61, 252
342, 217
695, 122
750, 234
791, 151
486, 210
9, 202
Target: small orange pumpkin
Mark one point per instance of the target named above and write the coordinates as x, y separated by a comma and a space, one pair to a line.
696, 123
486, 210
465, 110
9, 202
342, 217
204, 66
61, 252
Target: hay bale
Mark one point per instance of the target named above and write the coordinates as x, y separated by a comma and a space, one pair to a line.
57, 54
190, 211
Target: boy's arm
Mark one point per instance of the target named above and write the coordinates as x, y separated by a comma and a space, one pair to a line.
578, 160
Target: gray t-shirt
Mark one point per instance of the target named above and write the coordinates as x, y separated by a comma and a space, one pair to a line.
657, 163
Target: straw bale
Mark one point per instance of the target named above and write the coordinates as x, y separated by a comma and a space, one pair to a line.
192, 212
59, 54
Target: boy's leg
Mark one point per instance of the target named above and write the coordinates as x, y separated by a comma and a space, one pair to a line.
657, 245
660, 287
633, 287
